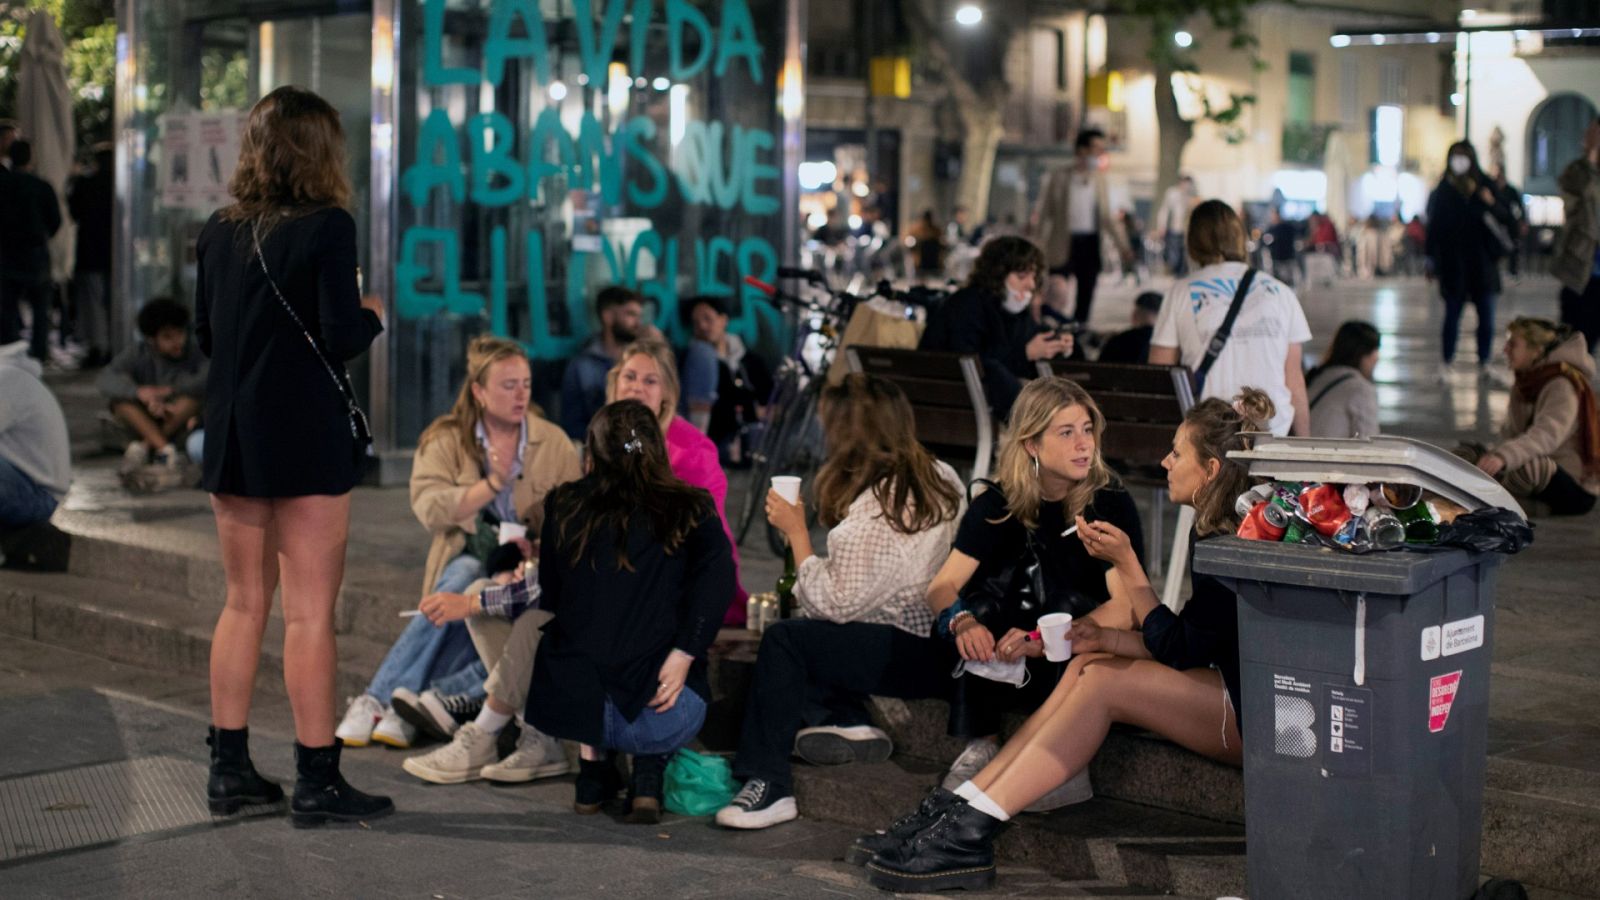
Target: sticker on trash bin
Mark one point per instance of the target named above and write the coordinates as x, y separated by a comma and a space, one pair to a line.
1294, 718
1349, 747
1430, 643
1462, 635
1442, 691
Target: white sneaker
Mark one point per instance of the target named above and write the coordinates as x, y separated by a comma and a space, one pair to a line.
757, 806
835, 745
537, 756
1076, 789
359, 720
136, 454
1443, 374
460, 760
979, 753
394, 731
169, 456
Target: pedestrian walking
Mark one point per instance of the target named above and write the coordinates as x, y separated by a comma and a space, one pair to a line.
1467, 235
1577, 257
1074, 217
279, 311
32, 217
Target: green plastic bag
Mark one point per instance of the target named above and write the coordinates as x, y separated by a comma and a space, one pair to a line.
698, 784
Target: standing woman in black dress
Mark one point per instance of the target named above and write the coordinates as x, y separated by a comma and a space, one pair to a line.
280, 457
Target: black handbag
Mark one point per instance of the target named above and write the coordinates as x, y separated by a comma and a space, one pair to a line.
1014, 594
360, 430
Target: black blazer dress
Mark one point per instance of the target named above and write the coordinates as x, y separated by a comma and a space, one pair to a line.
276, 424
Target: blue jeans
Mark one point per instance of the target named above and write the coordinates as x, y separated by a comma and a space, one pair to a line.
1453, 307
654, 733
701, 371
21, 501
441, 658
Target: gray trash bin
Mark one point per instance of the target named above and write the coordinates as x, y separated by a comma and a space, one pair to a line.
1365, 685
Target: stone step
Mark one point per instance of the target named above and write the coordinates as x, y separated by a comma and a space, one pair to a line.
127, 621
1120, 845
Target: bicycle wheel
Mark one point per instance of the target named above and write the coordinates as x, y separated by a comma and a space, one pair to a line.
801, 455
763, 458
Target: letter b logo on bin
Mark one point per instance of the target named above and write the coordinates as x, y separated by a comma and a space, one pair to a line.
1294, 718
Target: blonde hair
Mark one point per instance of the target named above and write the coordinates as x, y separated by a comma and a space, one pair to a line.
666, 363
463, 418
1541, 334
1030, 417
1215, 234
291, 159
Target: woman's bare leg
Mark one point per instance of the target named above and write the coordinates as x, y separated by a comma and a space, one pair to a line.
245, 528
1047, 709
1188, 707
312, 532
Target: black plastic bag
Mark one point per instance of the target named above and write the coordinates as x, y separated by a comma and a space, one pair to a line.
1491, 530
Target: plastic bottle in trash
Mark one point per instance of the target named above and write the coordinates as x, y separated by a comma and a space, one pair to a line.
1386, 531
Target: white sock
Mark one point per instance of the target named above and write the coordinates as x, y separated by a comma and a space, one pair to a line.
967, 791
489, 721
983, 804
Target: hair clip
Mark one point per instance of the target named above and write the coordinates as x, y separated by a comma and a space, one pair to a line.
635, 445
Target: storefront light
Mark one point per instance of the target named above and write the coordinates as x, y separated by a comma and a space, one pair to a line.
557, 91
661, 83
1339, 41
617, 90
860, 189
969, 15
814, 176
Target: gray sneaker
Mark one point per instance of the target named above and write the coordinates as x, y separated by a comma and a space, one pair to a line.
979, 753
1076, 789
461, 760
537, 756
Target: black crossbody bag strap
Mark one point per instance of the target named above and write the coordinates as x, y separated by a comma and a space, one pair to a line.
1220, 339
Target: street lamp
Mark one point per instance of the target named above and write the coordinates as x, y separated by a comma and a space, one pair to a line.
969, 15
1183, 39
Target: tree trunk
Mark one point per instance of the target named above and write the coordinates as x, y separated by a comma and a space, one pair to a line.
979, 149
1174, 130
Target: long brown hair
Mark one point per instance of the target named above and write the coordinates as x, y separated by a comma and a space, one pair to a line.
629, 475
291, 159
1215, 234
1030, 417
1001, 256
461, 422
1214, 427
665, 364
872, 444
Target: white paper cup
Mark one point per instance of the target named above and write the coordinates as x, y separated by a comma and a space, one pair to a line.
1053, 630
787, 486
510, 531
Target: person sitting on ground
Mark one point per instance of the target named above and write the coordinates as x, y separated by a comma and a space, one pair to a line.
1049, 473
504, 624
635, 572
1174, 674
1133, 345
157, 386
891, 509
997, 316
35, 465
1263, 350
1550, 442
646, 372
583, 385
725, 385
487, 462
1344, 401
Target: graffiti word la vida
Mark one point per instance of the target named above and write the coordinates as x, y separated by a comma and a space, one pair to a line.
710, 164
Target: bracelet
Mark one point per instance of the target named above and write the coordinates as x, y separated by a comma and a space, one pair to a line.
957, 619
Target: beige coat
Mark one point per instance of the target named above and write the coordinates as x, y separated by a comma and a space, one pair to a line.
1051, 231
1580, 196
1548, 427
443, 471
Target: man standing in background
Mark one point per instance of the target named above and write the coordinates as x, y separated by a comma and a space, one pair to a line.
1577, 258
1073, 216
31, 217
1171, 220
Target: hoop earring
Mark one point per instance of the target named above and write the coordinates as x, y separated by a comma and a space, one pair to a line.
1035, 466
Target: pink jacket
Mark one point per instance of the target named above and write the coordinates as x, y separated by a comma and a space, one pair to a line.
694, 460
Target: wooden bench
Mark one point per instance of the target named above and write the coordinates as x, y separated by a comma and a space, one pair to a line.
1143, 405
946, 394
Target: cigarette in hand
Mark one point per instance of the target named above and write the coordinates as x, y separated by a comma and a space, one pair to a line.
1069, 530
410, 613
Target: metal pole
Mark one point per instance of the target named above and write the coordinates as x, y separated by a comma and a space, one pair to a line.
381, 229
868, 125
791, 108
1466, 95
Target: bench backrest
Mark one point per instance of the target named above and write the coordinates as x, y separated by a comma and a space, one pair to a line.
1142, 404
946, 395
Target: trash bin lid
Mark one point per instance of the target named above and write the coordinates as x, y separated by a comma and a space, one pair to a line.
1398, 574
1384, 458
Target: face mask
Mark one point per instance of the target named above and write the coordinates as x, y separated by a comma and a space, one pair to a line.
1460, 165
1013, 673
1016, 301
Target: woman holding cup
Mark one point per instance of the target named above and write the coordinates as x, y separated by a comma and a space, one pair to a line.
891, 509
1174, 674
479, 479
1018, 555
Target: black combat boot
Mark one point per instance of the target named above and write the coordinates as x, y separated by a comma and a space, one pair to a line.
935, 803
321, 794
598, 784
956, 851
234, 781
645, 788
